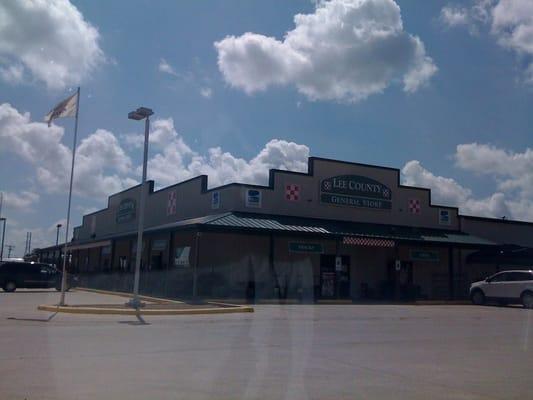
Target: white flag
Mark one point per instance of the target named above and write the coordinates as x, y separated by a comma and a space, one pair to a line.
67, 108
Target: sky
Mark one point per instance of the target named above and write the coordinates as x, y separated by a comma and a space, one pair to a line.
441, 90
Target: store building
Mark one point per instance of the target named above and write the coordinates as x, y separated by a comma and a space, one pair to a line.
340, 231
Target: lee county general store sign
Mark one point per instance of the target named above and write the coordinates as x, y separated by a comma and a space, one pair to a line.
355, 191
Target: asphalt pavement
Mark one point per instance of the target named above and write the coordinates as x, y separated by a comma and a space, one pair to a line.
278, 352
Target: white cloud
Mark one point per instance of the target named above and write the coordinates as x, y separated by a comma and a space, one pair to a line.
443, 190
165, 67
12, 74
51, 39
206, 92
510, 22
511, 172
23, 200
175, 160
100, 158
455, 15
345, 51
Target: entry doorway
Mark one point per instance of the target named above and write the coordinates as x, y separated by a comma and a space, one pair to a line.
334, 278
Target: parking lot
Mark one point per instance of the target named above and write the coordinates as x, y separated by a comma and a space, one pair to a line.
278, 352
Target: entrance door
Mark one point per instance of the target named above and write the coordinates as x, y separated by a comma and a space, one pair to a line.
334, 279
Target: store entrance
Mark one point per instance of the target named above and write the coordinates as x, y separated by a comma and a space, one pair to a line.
334, 277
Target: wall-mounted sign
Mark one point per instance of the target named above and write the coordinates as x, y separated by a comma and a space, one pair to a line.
355, 191
171, 203
424, 255
253, 198
181, 257
292, 192
444, 217
297, 247
215, 200
159, 245
126, 211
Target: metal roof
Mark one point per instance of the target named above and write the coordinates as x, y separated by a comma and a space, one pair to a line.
250, 221
262, 223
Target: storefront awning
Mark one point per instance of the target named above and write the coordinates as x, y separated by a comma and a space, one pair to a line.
101, 243
385, 235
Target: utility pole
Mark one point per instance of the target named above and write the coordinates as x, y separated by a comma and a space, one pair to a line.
9, 248
29, 244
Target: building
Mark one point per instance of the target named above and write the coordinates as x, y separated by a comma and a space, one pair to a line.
340, 231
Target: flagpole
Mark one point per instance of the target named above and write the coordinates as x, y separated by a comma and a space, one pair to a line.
65, 253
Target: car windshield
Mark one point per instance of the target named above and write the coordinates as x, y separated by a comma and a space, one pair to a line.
305, 199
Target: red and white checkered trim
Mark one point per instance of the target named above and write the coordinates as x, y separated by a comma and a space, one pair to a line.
414, 206
171, 203
292, 192
363, 241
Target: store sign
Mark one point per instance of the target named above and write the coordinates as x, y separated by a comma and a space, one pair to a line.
159, 245
355, 191
295, 247
215, 200
424, 255
444, 217
126, 211
253, 198
181, 256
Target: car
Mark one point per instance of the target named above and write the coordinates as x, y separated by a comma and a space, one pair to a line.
17, 274
506, 287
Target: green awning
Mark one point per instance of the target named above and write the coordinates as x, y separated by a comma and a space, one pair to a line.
286, 224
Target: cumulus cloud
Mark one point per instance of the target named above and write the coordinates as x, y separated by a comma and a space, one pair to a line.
22, 200
206, 92
510, 22
50, 40
174, 160
511, 172
100, 158
165, 67
455, 15
346, 51
103, 167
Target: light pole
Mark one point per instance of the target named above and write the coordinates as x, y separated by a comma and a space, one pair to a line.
3, 237
138, 115
57, 235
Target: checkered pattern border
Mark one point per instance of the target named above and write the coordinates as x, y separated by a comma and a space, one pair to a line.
363, 241
292, 192
171, 203
414, 206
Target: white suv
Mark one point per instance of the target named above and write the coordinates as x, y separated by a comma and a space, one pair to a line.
505, 287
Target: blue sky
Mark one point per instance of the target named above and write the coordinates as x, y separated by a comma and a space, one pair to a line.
475, 93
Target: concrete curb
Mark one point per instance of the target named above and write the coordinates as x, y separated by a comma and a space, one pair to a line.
222, 308
117, 311
151, 299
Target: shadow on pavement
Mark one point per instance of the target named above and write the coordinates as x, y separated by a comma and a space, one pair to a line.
34, 319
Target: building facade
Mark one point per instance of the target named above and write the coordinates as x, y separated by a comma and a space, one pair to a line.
340, 231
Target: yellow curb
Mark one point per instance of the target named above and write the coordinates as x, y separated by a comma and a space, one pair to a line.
117, 311
129, 295
442, 302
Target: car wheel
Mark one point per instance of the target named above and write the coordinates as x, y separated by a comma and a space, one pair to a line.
10, 286
478, 298
527, 299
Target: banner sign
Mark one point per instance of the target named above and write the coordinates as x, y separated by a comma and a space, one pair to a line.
126, 211
424, 255
295, 247
355, 191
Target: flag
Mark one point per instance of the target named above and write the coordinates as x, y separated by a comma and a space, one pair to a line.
67, 108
